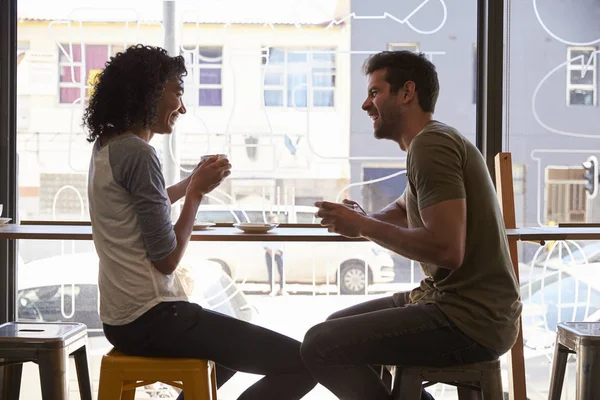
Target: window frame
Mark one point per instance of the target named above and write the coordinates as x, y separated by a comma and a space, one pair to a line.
82, 86
193, 78
584, 67
308, 67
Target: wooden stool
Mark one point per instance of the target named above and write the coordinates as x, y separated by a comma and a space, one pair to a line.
120, 375
474, 381
583, 339
49, 345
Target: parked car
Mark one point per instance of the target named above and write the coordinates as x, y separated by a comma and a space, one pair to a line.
357, 263
65, 288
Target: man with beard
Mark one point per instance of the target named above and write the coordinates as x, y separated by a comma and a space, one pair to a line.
466, 309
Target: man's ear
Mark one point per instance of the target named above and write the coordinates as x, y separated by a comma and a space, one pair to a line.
409, 91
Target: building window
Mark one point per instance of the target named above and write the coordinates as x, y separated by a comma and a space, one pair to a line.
403, 46
204, 82
299, 77
566, 200
582, 76
75, 58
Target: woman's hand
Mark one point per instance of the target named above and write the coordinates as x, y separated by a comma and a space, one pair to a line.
207, 176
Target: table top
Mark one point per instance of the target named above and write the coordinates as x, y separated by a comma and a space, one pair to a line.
215, 234
279, 234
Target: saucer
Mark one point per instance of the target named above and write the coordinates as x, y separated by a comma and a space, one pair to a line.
200, 226
5, 220
250, 227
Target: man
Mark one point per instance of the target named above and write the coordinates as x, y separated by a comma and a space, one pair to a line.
274, 251
466, 309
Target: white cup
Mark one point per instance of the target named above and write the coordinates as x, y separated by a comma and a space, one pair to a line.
1, 206
206, 157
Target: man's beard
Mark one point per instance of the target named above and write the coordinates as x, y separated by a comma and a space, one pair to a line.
383, 130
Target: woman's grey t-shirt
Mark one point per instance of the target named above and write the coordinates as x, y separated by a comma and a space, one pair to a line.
131, 226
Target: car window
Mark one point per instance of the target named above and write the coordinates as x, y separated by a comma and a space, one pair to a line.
55, 304
562, 298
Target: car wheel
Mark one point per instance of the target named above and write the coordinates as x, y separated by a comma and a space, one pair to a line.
224, 266
352, 278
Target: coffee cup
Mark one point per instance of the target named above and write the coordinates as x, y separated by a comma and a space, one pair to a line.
206, 157
1, 206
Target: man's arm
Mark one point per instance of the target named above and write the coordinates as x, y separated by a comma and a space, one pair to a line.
394, 213
440, 242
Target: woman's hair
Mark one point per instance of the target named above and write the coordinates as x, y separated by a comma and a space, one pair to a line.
127, 92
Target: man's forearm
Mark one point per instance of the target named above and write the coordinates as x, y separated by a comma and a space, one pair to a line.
413, 243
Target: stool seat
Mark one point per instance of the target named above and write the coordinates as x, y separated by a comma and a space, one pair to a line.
121, 374
474, 381
49, 345
583, 339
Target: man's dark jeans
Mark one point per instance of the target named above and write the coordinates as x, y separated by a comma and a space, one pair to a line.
345, 352
186, 330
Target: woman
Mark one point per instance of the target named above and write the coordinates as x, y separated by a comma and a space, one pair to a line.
143, 305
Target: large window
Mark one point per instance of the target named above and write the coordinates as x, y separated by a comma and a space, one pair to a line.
299, 77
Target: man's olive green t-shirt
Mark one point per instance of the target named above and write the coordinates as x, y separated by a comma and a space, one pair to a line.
482, 296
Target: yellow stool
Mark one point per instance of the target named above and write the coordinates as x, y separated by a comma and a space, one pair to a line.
120, 375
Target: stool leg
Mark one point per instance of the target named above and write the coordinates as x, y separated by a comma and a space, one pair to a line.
110, 385
588, 368
559, 366
213, 379
196, 387
129, 394
491, 385
83, 373
11, 381
411, 385
53, 374
468, 394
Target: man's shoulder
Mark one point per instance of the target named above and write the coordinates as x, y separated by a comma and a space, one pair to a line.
438, 132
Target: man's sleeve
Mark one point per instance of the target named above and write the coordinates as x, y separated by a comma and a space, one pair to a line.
436, 168
137, 169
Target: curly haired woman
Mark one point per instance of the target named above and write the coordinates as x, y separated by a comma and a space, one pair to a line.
143, 306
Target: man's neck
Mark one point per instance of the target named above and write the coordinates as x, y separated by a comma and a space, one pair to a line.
412, 128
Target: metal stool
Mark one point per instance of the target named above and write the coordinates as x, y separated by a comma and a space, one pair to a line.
120, 375
474, 381
49, 345
583, 339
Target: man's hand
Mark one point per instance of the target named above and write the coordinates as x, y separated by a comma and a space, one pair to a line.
345, 219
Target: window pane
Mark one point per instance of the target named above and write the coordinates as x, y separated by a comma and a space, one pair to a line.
297, 57
273, 78
297, 92
276, 56
581, 97
323, 79
69, 53
584, 77
210, 97
324, 56
584, 57
70, 74
274, 98
210, 75
323, 98
550, 126
210, 55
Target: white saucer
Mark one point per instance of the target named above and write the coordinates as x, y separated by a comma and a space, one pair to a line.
5, 220
249, 227
200, 226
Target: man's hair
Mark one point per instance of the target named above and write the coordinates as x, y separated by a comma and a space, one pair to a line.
403, 66
127, 92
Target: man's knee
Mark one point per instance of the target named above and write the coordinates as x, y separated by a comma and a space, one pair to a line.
316, 344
